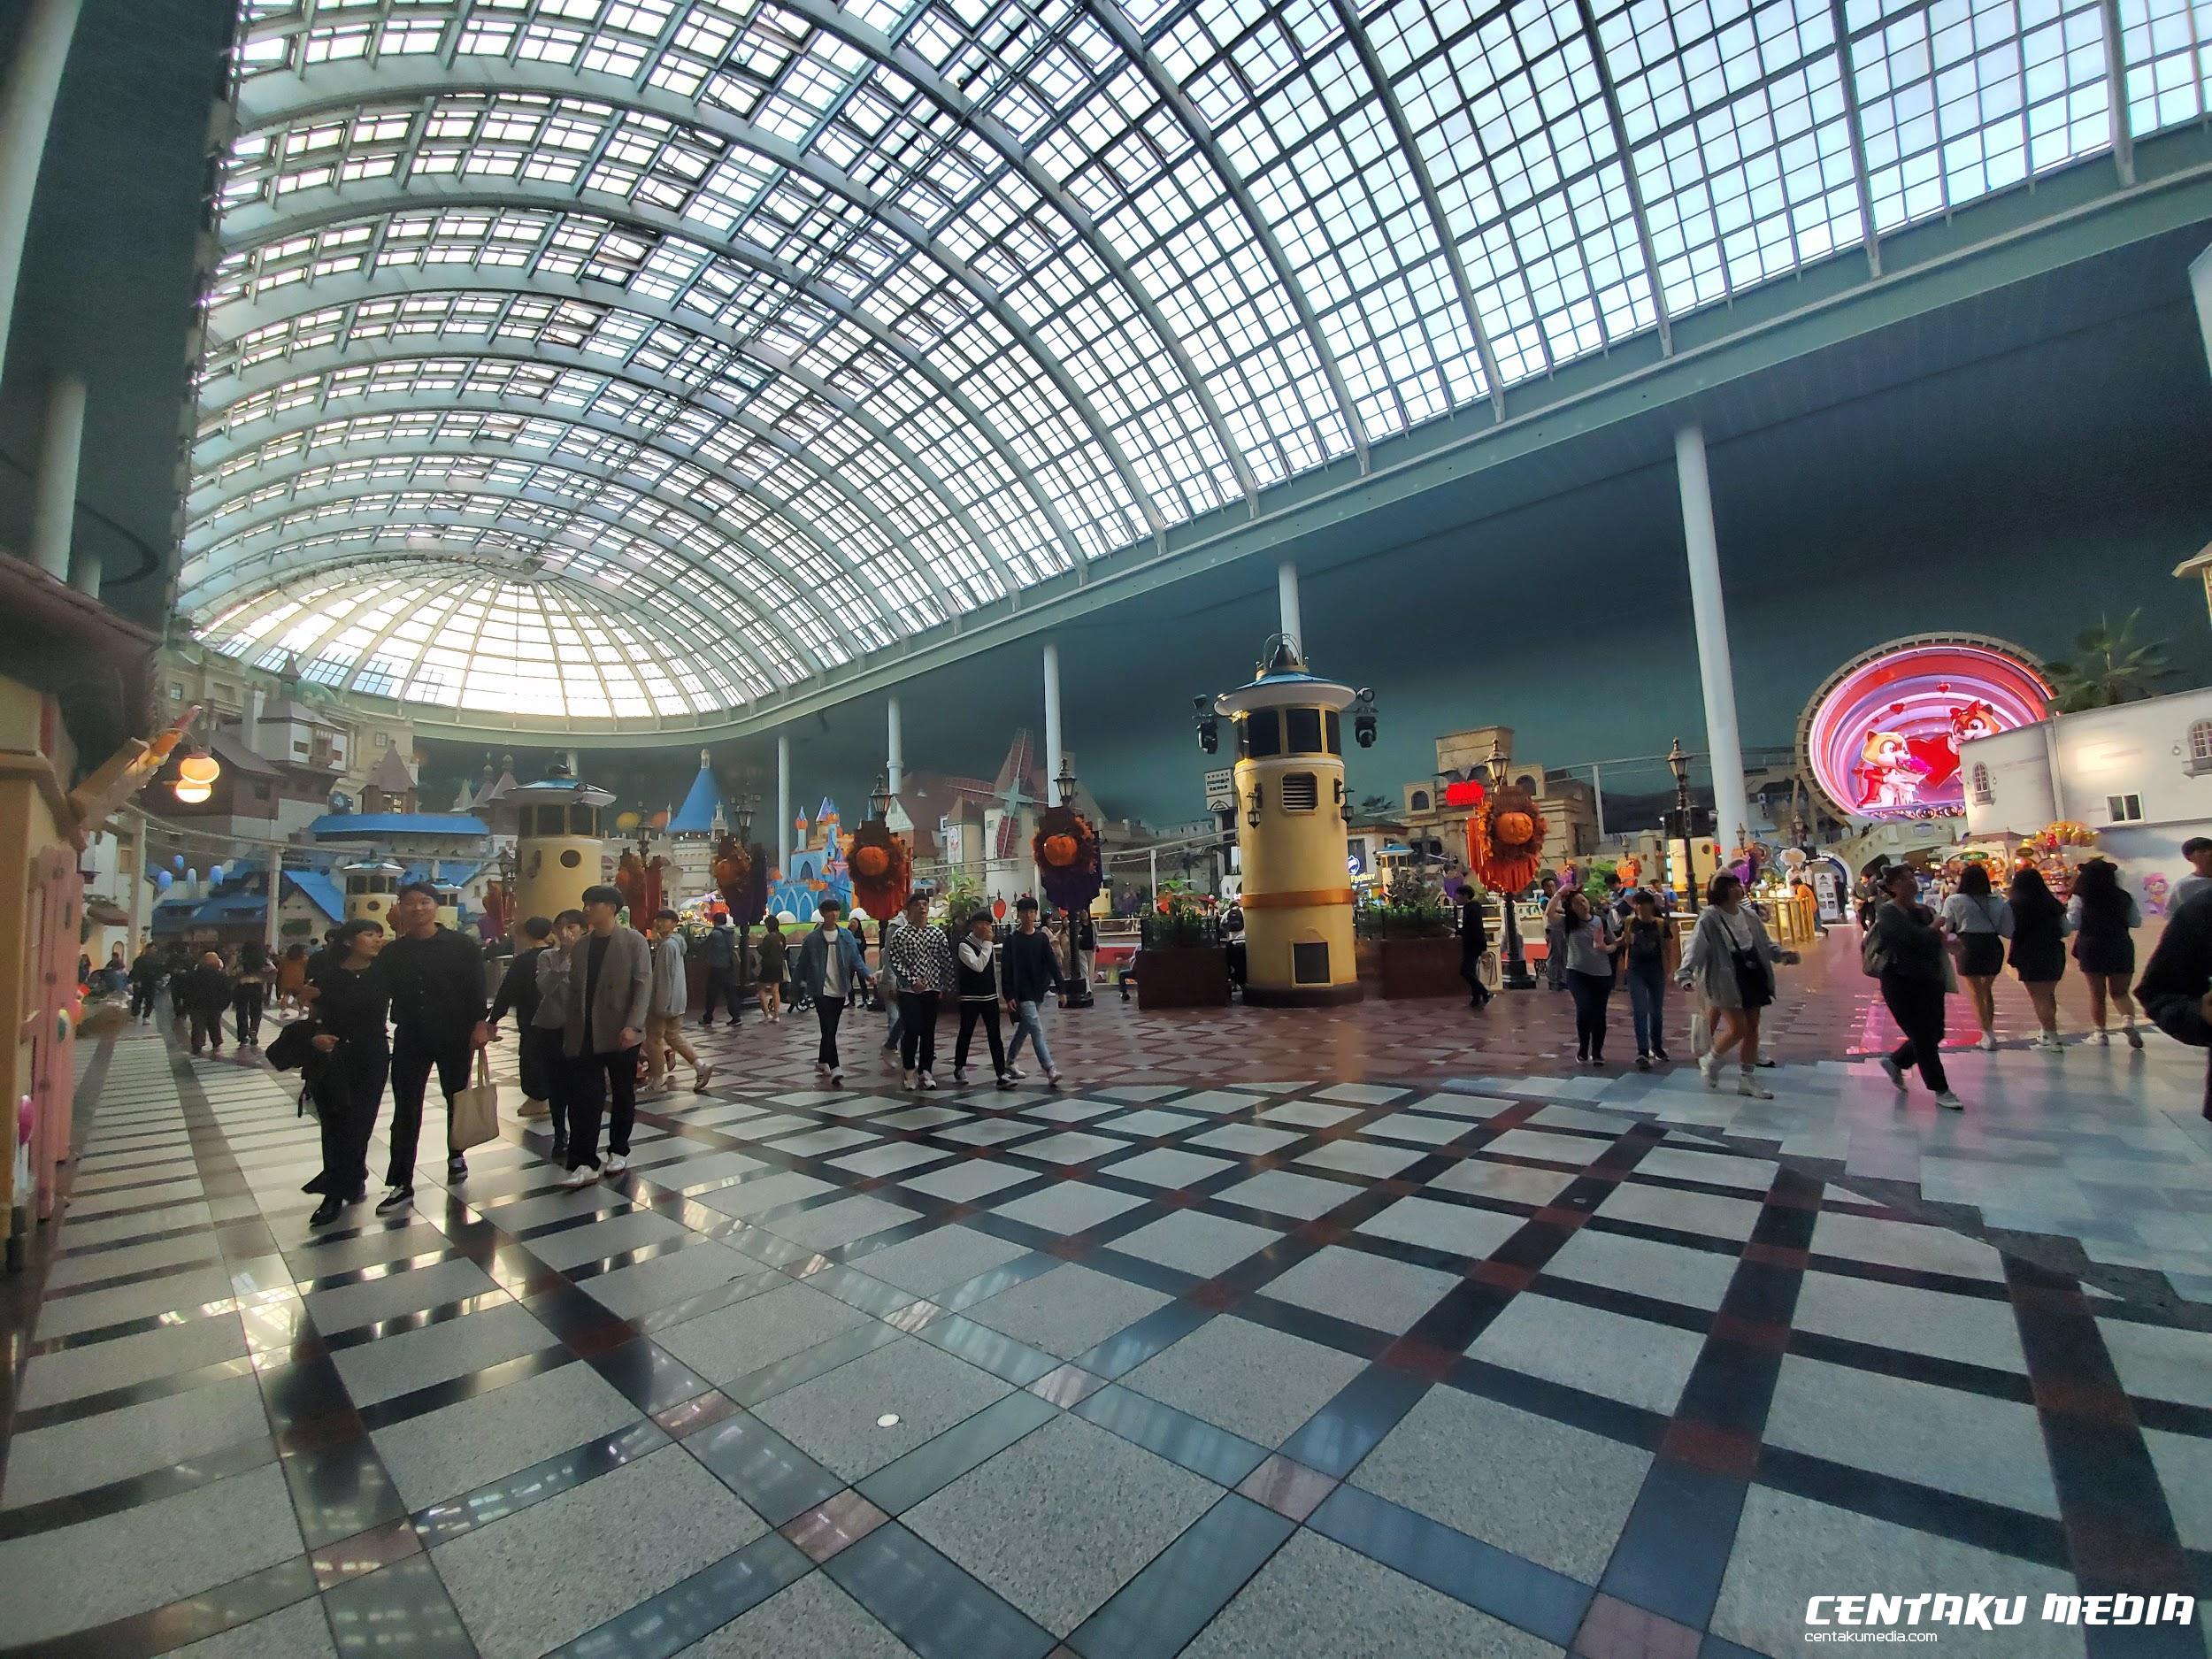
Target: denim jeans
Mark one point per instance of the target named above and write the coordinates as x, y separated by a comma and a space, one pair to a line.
1648, 1003
1029, 1027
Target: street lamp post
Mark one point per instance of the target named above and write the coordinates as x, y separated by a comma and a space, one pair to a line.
748, 804
1513, 975
1679, 764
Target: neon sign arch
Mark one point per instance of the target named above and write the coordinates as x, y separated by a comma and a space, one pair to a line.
1881, 738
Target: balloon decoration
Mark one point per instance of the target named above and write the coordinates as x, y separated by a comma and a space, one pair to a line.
177, 862
1505, 840
1065, 847
162, 880
215, 874
883, 869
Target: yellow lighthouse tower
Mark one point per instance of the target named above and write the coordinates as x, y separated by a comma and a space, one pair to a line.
556, 844
371, 886
1291, 815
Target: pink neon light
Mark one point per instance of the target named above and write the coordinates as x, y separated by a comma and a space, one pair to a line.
1884, 741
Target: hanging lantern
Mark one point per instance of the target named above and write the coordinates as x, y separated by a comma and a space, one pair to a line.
199, 767
192, 794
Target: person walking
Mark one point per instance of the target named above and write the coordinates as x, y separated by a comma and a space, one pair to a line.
250, 991
1554, 932
146, 976
2177, 987
2198, 850
831, 966
207, 996
886, 987
610, 995
544, 1034
2038, 954
722, 975
1731, 964
1029, 973
438, 1009
519, 991
1474, 945
1651, 950
1980, 921
2102, 916
921, 957
350, 999
772, 954
664, 1020
291, 969
1083, 953
182, 964
1592, 935
1905, 947
976, 967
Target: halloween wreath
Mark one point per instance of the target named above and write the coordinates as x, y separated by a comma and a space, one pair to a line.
882, 868
1065, 847
733, 871
1505, 840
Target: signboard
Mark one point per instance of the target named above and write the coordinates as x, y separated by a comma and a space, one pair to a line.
1882, 737
1221, 790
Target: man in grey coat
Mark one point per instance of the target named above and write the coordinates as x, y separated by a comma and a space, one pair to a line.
611, 985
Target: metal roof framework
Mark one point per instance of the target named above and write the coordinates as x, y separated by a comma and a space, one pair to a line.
727, 346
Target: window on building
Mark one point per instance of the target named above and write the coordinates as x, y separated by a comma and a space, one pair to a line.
1302, 792
1263, 734
1301, 730
1335, 738
1983, 793
2124, 809
176, 692
1417, 801
384, 739
2199, 748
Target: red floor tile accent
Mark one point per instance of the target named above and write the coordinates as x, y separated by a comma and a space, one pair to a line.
1612, 1629
832, 1525
1286, 1487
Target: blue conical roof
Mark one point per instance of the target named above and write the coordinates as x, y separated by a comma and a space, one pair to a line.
696, 815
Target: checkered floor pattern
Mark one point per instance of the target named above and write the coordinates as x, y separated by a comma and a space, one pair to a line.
1283, 1367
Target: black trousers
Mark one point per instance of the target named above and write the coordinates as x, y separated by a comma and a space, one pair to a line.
721, 991
143, 997
917, 1030
591, 1078
246, 1002
1591, 991
207, 1027
828, 1011
985, 1015
413, 1053
546, 1074
346, 1099
1916, 1005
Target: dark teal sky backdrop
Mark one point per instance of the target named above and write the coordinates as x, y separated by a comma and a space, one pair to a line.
2016, 496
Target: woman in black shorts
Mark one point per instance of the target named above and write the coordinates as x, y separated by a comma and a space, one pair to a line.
2104, 916
1980, 921
2039, 948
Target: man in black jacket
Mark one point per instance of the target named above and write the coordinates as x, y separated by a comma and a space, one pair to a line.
207, 994
1029, 972
722, 974
2176, 987
438, 1020
518, 990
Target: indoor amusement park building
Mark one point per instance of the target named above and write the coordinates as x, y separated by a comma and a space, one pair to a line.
774, 457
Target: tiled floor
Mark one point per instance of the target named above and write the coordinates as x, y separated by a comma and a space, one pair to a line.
1469, 1357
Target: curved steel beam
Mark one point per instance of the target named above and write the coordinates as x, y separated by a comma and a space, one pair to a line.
1612, 99
910, 65
741, 656
271, 564
208, 548
274, 99
409, 348
399, 281
1172, 96
1401, 129
849, 408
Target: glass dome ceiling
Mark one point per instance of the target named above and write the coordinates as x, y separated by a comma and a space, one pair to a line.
641, 357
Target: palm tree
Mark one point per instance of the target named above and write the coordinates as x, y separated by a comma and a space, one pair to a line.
2109, 667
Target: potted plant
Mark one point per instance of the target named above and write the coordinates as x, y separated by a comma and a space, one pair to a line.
1408, 945
1181, 962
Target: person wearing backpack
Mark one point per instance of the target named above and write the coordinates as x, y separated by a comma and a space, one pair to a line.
1979, 921
1904, 950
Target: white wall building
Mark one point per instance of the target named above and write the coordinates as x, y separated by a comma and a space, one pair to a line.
2139, 774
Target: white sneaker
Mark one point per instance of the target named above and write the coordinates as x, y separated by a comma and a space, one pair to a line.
616, 1163
2048, 1042
906, 1080
836, 1076
1748, 1087
960, 1076
1949, 1101
1988, 1044
582, 1175
1895, 1072
821, 1069
2103, 1037
1053, 1077
1015, 1073
704, 1075
1005, 1079
927, 1082
1709, 1069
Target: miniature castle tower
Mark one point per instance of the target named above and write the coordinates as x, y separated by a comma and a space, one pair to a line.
557, 844
692, 829
370, 886
1291, 815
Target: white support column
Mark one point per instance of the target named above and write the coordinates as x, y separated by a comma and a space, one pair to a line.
783, 804
139, 878
574, 770
276, 900
1287, 598
1052, 724
1725, 749
894, 751
26, 110
54, 486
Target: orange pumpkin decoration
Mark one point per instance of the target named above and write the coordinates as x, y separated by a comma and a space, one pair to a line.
1060, 850
870, 862
882, 868
1065, 847
1505, 840
733, 868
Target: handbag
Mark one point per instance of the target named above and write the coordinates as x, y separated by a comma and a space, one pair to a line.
474, 1111
292, 1047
